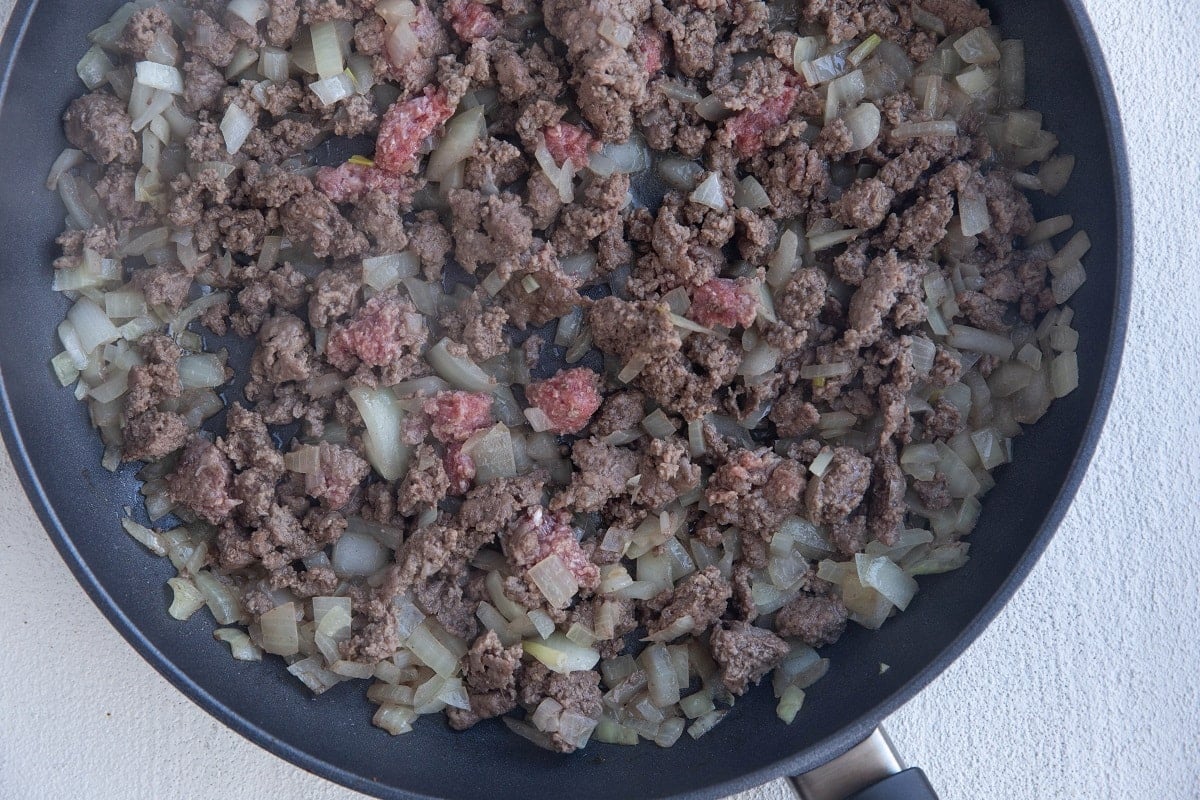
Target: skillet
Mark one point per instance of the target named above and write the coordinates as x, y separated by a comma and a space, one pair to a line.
57, 455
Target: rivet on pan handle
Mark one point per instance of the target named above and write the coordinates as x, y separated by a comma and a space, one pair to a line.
871, 770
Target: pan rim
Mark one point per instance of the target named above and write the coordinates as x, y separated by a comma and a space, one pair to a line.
853, 731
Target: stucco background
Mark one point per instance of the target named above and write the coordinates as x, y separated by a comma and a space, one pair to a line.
1083, 687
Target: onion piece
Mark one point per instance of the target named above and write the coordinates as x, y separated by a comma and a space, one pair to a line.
562, 655
431, 652
202, 371
236, 125
358, 555
925, 130
91, 325
709, 193
383, 418
492, 453
159, 76
965, 337
459, 371
882, 575
186, 598
333, 89
67, 160
458, 143
750, 194
706, 723
240, 646
280, 634
680, 173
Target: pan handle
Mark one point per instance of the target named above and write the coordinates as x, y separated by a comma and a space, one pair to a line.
871, 770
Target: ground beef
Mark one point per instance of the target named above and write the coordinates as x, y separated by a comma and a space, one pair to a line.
153, 434
793, 415
745, 653
456, 415
702, 596
539, 534
831, 497
405, 126
621, 411
202, 480
578, 692
816, 620
490, 672
568, 400
286, 245
144, 28
755, 491
98, 125
313, 218
354, 183
157, 379
425, 483
722, 301
603, 472
888, 507
340, 473
386, 332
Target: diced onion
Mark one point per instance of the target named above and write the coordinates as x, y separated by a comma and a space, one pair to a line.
560, 654
202, 371
459, 142
273, 64
431, 652
492, 453
1048, 229
250, 11
750, 194
383, 417
460, 371
240, 646
332, 89
358, 555
159, 76
280, 634
236, 125
91, 325
709, 193
680, 173
186, 598
882, 575
658, 424
925, 130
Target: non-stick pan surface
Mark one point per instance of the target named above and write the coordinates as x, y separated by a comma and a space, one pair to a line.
58, 455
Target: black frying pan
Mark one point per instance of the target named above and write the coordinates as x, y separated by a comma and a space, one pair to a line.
58, 455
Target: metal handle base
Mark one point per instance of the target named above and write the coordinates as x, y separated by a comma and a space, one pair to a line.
871, 770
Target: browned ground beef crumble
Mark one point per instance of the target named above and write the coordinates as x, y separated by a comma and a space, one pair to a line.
284, 242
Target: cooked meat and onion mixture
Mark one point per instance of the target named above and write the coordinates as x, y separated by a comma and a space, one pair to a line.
643, 344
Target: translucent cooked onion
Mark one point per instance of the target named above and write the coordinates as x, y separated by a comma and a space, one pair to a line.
358, 555
750, 194
492, 453
458, 143
383, 417
202, 371
159, 76
679, 173
460, 371
91, 326
628, 157
562, 655
925, 130
280, 635
236, 125
882, 575
709, 193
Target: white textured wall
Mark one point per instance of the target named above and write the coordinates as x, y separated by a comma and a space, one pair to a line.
1083, 688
